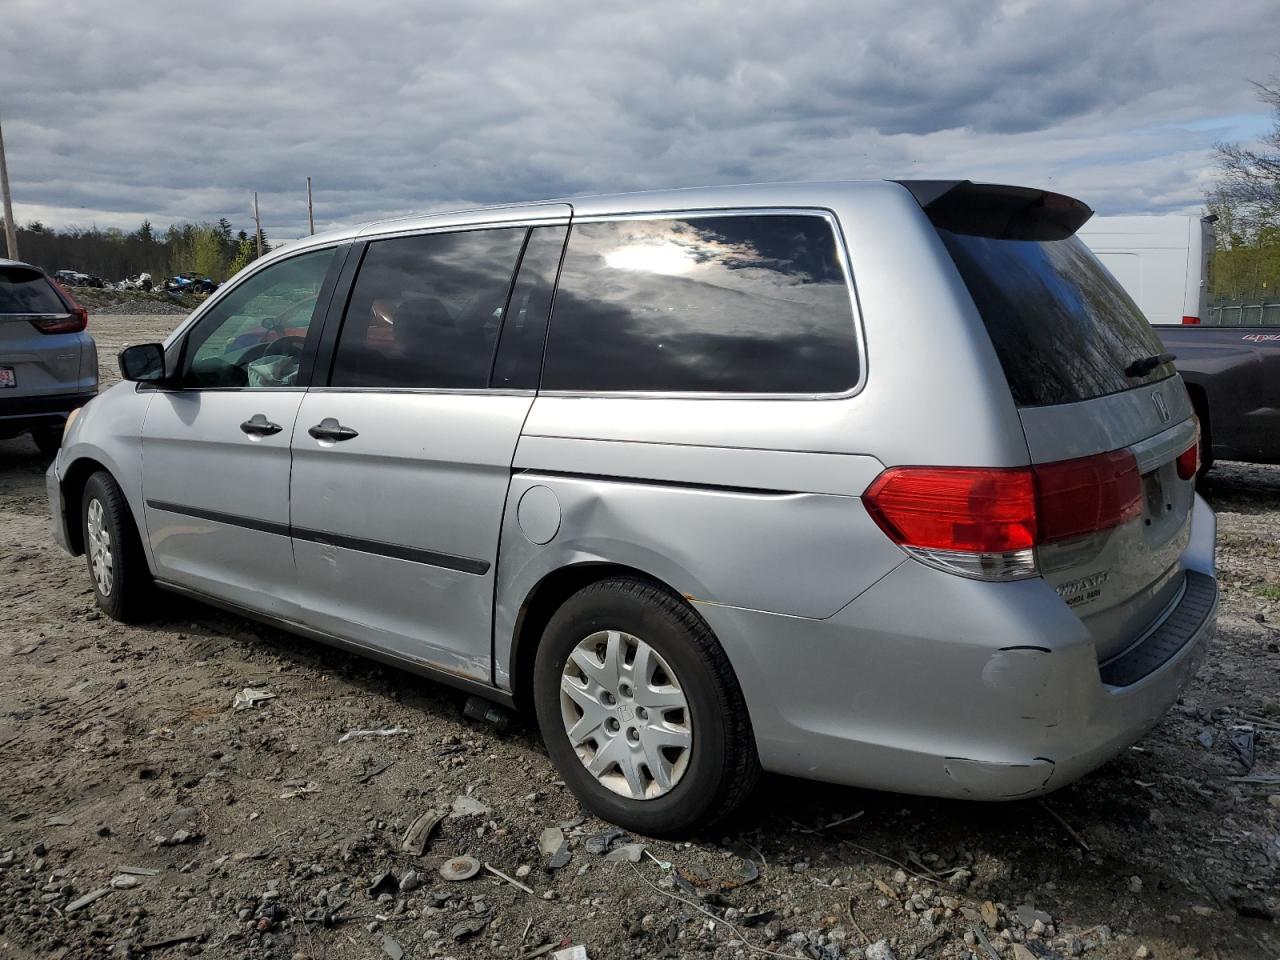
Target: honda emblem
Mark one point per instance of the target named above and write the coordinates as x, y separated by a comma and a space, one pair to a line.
1161, 407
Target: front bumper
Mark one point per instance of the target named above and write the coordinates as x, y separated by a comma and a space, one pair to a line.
932, 684
57, 506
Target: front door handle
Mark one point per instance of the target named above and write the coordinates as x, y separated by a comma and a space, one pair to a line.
260, 426
331, 429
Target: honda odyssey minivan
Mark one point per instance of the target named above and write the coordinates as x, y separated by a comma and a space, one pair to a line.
879, 483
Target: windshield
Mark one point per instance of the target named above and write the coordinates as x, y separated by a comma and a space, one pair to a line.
1063, 327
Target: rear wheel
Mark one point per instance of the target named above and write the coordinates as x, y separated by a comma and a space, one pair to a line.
122, 582
640, 710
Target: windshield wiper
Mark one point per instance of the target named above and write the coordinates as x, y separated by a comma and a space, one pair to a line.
1140, 368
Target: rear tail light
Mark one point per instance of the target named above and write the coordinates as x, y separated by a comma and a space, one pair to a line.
987, 522
1087, 495
78, 320
1189, 459
1190, 321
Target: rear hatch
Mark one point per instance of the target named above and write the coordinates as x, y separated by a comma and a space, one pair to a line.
1092, 384
36, 355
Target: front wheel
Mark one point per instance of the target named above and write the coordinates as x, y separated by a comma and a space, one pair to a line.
640, 710
122, 583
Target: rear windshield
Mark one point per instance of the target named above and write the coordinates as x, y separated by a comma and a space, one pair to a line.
23, 290
1063, 327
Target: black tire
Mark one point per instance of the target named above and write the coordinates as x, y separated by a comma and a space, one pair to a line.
130, 593
48, 439
723, 766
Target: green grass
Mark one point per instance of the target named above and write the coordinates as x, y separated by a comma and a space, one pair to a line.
1270, 592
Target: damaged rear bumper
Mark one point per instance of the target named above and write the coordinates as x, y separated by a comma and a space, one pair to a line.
933, 684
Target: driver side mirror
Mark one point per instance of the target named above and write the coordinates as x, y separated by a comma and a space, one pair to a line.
143, 363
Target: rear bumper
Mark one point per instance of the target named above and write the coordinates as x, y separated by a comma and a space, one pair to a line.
932, 684
21, 413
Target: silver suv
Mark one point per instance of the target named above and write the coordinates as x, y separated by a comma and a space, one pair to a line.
881, 483
48, 363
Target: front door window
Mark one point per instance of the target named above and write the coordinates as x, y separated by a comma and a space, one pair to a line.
253, 337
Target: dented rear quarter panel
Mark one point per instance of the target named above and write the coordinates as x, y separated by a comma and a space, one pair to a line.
795, 554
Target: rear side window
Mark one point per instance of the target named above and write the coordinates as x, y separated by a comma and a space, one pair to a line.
741, 304
23, 290
1063, 327
425, 311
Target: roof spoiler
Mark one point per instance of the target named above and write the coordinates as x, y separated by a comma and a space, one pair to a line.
998, 211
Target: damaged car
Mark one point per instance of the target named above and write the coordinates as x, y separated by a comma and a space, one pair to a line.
879, 483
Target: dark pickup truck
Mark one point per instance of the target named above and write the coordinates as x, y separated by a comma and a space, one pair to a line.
1233, 376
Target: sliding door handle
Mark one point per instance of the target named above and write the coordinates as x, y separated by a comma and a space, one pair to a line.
331, 429
260, 426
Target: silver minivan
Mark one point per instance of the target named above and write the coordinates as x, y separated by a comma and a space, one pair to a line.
48, 363
879, 483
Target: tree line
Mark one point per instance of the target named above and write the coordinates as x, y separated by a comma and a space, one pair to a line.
208, 249
1246, 201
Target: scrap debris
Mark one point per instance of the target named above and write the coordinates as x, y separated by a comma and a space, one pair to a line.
1242, 741
511, 880
465, 806
554, 849
300, 789
250, 697
385, 732
415, 838
460, 868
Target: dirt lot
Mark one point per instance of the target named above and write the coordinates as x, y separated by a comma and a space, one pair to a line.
256, 833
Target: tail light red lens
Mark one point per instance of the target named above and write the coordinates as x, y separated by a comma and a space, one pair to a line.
78, 320
994, 511
1086, 495
1191, 321
955, 508
1189, 459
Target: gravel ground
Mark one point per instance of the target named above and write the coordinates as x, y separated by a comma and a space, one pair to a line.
258, 834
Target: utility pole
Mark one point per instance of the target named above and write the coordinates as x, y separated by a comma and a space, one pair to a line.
10, 230
311, 219
257, 221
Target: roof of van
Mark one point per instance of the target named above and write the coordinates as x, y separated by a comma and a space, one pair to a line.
743, 196
650, 201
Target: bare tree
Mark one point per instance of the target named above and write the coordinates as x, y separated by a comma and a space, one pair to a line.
1250, 180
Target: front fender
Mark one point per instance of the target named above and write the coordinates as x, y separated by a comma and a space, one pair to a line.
108, 432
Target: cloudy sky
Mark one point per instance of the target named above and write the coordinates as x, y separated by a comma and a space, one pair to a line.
117, 111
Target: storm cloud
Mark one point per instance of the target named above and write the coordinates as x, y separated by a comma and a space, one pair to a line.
113, 112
